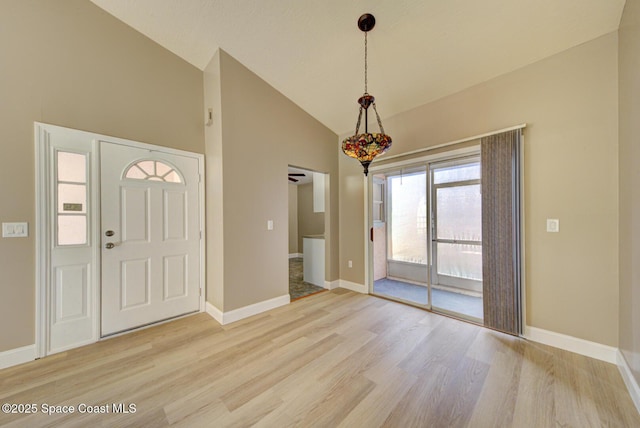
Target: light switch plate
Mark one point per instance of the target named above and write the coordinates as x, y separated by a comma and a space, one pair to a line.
553, 225
269, 224
15, 230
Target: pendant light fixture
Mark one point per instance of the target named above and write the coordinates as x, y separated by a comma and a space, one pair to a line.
365, 147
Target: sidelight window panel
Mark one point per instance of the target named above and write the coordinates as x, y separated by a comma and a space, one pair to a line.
72, 167
72, 197
72, 230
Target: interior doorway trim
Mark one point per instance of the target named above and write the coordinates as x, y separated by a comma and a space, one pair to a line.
44, 225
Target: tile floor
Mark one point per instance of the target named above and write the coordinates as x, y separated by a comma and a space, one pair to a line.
297, 287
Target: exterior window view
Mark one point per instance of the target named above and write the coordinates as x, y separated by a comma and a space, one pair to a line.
430, 249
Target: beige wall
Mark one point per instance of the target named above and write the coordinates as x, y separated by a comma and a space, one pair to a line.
293, 219
70, 63
629, 158
569, 102
262, 133
309, 222
214, 184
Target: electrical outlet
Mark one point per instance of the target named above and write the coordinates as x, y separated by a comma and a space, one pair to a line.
553, 225
350, 263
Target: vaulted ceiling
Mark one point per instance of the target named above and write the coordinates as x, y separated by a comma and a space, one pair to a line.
419, 51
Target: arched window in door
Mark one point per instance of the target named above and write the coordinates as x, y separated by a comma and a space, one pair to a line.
153, 170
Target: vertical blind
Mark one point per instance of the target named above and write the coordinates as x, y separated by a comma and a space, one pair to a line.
501, 231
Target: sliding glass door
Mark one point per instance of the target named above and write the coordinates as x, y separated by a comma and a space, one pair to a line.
456, 255
400, 238
427, 238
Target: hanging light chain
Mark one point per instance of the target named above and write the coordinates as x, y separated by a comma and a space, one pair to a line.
365, 62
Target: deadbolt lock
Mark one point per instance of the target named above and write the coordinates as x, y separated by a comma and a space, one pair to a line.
109, 233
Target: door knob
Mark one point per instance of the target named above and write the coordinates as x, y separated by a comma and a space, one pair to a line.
109, 233
109, 245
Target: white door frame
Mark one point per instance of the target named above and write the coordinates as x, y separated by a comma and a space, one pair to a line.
368, 193
44, 225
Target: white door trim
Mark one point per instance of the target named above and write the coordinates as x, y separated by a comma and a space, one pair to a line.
44, 224
41, 139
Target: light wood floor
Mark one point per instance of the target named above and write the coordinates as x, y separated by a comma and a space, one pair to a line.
334, 359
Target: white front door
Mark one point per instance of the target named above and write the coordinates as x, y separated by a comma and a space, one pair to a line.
150, 236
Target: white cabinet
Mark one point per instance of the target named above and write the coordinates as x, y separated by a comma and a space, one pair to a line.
318, 192
313, 264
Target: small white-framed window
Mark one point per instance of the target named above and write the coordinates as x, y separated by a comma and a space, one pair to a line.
153, 170
378, 200
71, 198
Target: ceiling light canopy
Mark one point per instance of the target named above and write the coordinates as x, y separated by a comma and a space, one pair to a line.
365, 147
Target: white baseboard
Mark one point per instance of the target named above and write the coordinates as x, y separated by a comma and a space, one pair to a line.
16, 356
295, 255
629, 380
247, 311
330, 285
353, 286
572, 344
214, 312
